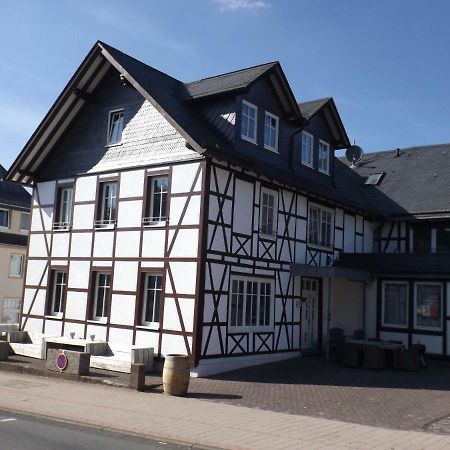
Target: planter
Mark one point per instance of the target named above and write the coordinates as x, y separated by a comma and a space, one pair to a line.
176, 375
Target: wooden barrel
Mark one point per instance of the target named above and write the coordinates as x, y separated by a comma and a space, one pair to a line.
176, 374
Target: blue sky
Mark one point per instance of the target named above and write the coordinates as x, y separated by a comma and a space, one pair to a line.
385, 62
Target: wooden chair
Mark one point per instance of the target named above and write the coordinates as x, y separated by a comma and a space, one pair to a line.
374, 357
352, 355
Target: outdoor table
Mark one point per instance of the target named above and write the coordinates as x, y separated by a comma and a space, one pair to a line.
384, 345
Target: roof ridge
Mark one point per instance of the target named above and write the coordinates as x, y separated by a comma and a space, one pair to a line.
232, 72
415, 147
315, 100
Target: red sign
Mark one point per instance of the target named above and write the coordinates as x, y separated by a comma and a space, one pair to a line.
61, 361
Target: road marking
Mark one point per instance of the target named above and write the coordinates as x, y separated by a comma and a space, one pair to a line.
8, 420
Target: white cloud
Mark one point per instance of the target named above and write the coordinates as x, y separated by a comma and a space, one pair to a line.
234, 5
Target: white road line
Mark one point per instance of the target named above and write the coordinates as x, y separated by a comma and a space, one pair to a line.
8, 420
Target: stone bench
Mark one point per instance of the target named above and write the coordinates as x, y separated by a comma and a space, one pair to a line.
77, 362
79, 345
4, 350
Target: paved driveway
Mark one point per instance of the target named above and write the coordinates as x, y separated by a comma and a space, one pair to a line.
311, 386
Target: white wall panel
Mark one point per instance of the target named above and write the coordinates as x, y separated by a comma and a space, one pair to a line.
185, 277
83, 217
338, 239
81, 245
243, 207
46, 192
132, 183
120, 336
339, 218
45, 222
35, 269
125, 276
79, 274
368, 237
171, 319
130, 214
103, 244
127, 244
60, 245
183, 176
38, 306
76, 328
76, 305
122, 309
349, 233
98, 330
192, 214
174, 344
53, 327
85, 189
153, 242
37, 245
34, 325
359, 224
147, 339
186, 243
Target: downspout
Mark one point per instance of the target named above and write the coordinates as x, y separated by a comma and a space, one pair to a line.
328, 318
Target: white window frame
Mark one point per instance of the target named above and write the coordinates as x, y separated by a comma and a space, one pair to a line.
383, 293
432, 283
101, 222
306, 163
243, 136
149, 219
259, 281
11, 256
153, 323
63, 293
321, 209
273, 116
274, 212
106, 299
109, 130
62, 224
327, 146
8, 215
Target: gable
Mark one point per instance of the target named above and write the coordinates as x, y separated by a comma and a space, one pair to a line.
148, 138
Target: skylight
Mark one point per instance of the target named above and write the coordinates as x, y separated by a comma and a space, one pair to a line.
374, 179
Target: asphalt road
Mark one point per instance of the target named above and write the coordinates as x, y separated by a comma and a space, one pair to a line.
19, 432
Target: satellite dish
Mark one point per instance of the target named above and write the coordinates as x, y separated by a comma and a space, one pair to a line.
354, 154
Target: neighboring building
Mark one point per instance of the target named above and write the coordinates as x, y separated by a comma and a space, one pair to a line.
209, 218
14, 225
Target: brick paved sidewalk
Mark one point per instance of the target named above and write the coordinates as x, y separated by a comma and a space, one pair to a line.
195, 421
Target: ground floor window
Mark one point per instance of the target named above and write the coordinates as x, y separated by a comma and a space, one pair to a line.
428, 305
251, 302
395, 304
102, 291
11, 311
151, 300
58, 292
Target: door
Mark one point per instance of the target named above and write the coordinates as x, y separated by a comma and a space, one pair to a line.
310, 314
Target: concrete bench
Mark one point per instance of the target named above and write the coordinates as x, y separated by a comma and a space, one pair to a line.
119, 358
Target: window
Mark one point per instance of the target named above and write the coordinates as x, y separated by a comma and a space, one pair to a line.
11, 311
374, 179
270, 131
157, 202
443, 238
251, 303
267, 219
24, 221
307, 149
421, 238
58, 292
4, 218
115, 127
324, 157
319, 226
64, 208
101, 295
395, 304
16, 266
151, 301
108, 205
428, 305
249, 122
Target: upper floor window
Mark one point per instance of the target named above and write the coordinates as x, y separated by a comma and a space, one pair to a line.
267, 215
249, 122
324, 157
271, 131
251, 303
102, 291
107, 207
64, 205
58, 285
4, 218
24, 221
115, 127
151, 300
319, 226
16, 266
307, 149
157, 201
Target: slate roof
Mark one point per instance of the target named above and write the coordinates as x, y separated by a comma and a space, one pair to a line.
410, 263
12, 194
309, 108
227, 82
416, 182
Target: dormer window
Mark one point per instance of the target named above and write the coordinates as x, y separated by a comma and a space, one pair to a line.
249, 122
324, 157
307, 149
271, 132
115, 127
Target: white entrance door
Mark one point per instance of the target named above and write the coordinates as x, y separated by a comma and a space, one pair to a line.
310, 313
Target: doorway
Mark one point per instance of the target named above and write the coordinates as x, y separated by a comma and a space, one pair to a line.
310, 314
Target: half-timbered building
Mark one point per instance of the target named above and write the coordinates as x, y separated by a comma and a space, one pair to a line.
208, 218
